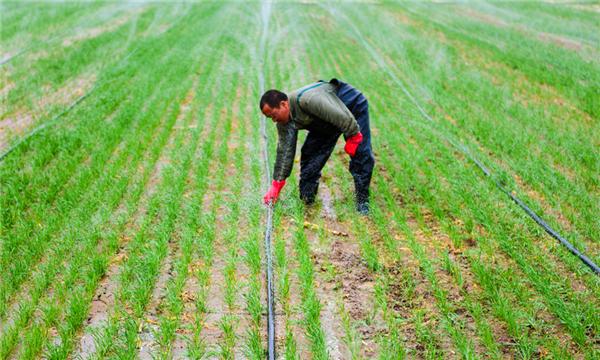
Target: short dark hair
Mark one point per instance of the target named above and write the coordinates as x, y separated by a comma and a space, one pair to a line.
272, 98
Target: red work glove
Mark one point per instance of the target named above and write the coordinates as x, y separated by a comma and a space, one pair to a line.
273, 192
352, 144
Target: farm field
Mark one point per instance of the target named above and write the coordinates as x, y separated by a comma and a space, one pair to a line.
132, 177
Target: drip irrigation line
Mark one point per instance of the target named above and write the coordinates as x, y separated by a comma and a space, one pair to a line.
532, 214
47, 124
269, 265
270, 295
31, 47
268, 231
55, 119
75, 103
62, 35
265, 15
461, 147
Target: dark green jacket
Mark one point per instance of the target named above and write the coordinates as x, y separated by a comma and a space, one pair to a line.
310, 106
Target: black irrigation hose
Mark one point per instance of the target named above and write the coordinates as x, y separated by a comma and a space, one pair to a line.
514, 198
265, 14
268, 231
55, 119
29, 48
270, 295
38, 44
46, 124
537, 218
463, 149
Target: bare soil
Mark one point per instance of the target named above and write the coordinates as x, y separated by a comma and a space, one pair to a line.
294, 319
562, 41
329, 317
486, 18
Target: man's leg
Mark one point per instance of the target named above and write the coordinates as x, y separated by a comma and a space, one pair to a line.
314, 154
361, 165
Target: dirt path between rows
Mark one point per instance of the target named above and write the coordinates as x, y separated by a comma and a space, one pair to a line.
343, 282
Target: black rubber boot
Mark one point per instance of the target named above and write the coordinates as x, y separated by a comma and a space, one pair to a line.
308, 192
362, 202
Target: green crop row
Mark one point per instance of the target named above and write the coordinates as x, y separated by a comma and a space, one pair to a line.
148, 193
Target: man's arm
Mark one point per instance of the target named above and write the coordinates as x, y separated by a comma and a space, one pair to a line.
328, 107
286, 150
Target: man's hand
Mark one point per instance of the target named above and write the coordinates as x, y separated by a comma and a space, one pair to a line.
352, 144
273, 193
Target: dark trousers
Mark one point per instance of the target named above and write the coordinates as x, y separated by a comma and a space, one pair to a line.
321, 140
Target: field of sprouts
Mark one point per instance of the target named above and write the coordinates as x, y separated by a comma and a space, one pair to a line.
132, 172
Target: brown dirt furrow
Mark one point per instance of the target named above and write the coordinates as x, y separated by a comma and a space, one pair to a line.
327, 210
331, 324
191, 316
242, 317
567, 43
445, 342
325, 290
585, 7
194, 293
6, 85
410, 299
239, 142
354, 281
102, 302
442, 243
216, 307
482, 17
437, 244
148, 345
470, 288
356, 285
294, 318
408, 295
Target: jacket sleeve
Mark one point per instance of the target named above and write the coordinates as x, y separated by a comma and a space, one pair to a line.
286, 150
328, 107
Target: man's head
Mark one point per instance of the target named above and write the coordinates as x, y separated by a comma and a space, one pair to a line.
274, 104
